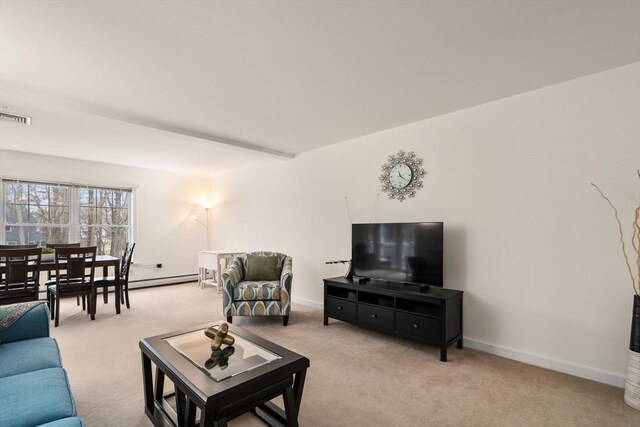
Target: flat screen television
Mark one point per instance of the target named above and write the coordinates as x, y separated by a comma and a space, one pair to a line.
399, 252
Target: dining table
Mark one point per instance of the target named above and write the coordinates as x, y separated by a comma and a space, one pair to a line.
104, 261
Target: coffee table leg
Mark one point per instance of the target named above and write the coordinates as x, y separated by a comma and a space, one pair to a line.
298, 387
290, 408
189, 413
159, 385
147, 384
180, 406
206, 418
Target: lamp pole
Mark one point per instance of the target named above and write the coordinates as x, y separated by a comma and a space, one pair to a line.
208, 234
205, 225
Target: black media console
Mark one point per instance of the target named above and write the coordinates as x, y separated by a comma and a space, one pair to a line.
430, 314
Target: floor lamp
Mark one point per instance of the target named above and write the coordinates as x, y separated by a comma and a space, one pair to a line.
206, 226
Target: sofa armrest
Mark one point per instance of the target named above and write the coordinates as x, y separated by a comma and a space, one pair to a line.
286, 278
32, 324
230, 279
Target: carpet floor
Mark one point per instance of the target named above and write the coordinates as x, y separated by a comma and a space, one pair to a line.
357, 377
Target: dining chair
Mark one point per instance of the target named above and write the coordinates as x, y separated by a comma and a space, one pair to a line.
50, 277
19, 275
72, 278
107, 281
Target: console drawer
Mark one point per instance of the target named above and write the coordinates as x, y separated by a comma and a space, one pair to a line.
375, 316
341, 309
418, 326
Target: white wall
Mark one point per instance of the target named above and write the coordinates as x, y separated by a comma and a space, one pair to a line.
164, 202
527, 238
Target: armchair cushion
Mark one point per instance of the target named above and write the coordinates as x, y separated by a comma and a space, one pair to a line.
257, 290
262, 268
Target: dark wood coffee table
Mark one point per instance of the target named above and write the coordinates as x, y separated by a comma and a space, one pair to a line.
257, 372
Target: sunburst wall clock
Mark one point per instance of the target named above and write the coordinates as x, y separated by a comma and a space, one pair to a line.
402, 175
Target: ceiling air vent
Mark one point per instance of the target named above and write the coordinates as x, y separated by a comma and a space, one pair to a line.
15, 118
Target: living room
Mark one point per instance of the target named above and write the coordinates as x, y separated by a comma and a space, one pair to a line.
271, 123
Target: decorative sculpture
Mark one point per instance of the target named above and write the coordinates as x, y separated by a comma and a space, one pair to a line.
219, 336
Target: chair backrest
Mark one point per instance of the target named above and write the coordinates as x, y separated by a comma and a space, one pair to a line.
59, 245
71, 267
125, 262
20, 273
18, 246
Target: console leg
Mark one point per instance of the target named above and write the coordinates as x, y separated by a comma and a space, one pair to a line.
285, 320
443, 354
229, 318
459, 344
326, 321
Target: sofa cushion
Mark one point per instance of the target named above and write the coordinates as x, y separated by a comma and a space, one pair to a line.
29, 355
257, 290
35, 398
65, 422
33, 324
262, 268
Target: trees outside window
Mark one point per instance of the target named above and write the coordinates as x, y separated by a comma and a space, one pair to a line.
45, 213
104, 219
36, 213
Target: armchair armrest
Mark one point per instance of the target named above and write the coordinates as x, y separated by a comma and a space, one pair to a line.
286, 277
230, 279
32, 324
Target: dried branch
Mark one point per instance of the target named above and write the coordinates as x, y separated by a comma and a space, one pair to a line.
635, 240
624, 248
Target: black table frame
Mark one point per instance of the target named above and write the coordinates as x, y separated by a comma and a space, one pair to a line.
104, 261
219, 402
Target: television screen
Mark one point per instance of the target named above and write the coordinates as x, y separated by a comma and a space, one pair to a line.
399, 252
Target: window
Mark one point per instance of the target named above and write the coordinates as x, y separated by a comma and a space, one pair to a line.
44, 213
104, 219
36, 213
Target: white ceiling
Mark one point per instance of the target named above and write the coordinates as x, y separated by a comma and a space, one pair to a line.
196, 86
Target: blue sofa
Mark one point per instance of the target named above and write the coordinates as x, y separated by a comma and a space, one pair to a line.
34, 389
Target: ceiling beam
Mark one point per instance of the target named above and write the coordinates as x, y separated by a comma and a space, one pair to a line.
10, 95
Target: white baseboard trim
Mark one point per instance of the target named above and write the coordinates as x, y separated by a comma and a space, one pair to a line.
574, 369
162, 281
546, 362
307, 302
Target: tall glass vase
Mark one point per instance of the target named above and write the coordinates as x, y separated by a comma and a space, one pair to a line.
632, 384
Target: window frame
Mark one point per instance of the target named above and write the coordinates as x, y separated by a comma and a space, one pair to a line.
78, 206
74, 223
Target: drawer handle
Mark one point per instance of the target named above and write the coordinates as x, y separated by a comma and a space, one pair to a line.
416, 326
375, 316
339, 307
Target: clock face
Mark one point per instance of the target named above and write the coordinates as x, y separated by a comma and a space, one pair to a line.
400, 175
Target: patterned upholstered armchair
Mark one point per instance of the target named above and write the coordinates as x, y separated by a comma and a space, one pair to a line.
246, 294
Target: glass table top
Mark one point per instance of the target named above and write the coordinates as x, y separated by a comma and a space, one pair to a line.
227, 362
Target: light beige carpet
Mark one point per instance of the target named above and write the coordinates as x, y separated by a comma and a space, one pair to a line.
358, 377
